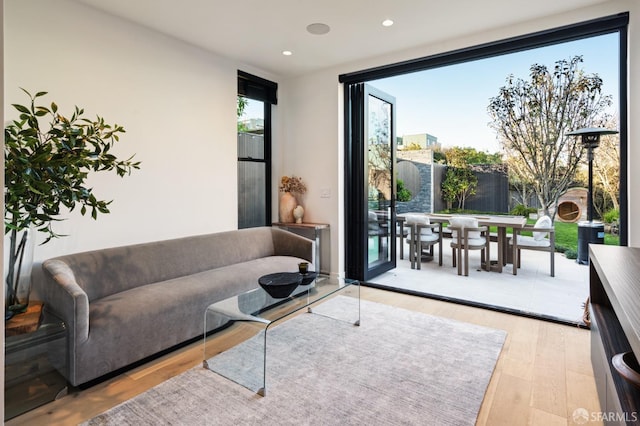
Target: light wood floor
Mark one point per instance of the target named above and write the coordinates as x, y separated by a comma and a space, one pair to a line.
543, 373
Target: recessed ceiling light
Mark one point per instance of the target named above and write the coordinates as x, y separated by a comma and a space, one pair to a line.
387, 23
287, 52
318, 28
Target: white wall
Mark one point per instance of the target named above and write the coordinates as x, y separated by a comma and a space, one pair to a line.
313, 112
176, 102
310, 125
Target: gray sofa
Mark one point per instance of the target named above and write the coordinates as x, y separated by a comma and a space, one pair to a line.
124, 304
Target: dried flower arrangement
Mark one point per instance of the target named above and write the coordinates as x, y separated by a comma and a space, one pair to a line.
292, 184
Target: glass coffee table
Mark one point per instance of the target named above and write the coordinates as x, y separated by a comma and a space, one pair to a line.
257, 309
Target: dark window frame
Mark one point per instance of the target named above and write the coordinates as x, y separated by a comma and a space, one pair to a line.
260, 89
617, 23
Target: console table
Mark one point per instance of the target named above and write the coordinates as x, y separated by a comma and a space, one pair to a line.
614, 278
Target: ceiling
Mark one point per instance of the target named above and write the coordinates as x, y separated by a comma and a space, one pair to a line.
256, 32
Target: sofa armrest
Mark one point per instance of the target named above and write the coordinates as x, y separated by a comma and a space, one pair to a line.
66, 299
287, 243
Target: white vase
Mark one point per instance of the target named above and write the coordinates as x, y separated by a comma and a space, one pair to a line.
287, 203
298, 214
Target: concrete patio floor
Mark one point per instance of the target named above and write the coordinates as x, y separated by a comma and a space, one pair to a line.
532, 292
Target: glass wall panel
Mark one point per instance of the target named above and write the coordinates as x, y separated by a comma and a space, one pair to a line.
379, 179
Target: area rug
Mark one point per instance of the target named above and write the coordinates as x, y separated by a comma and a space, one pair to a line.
397, 367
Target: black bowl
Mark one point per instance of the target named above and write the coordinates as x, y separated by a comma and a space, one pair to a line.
308, 278
280, 284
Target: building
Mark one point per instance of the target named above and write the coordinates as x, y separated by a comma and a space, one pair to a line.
421, 140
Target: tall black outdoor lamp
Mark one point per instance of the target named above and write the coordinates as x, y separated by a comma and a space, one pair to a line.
589, 231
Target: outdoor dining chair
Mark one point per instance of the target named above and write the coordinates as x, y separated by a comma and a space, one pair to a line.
402, 232
543, 239
423, 234
467, 235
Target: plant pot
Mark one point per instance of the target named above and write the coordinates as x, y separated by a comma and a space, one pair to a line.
287, 203
18, 262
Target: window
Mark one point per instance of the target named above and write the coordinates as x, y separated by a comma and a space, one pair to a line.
255, 97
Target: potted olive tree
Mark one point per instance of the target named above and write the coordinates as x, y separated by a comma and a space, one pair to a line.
46, 166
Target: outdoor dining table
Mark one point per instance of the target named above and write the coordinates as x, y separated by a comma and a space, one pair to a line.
502, 223
499, 221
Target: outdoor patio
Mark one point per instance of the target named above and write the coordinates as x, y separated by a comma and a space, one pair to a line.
532, 292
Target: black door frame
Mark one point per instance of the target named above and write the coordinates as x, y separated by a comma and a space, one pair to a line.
356, 191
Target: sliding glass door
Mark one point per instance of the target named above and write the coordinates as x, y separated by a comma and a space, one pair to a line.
370, 204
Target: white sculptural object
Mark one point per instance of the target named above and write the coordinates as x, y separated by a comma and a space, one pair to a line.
298, 212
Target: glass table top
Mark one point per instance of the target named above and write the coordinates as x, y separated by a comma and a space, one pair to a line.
258, 306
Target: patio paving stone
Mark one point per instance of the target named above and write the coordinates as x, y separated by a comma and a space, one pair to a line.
533, 291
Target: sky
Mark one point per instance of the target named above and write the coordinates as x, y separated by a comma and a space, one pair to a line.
451, 102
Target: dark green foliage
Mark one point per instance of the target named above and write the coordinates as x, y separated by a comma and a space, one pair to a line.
611, 216
46, 168
457, 185
402, 193
439, 157
459, 155
522, 210
240, 107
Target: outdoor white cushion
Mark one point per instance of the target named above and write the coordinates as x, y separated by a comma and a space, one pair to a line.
525, 240
419, 219
465, 222
476, 242
542, 222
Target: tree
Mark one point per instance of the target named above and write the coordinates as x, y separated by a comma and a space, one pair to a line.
461, 157
606, 171
379, 167
240, 107
458, 184
379, 157
517, 182
439, 157
459, 181
532, 117
47, 169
